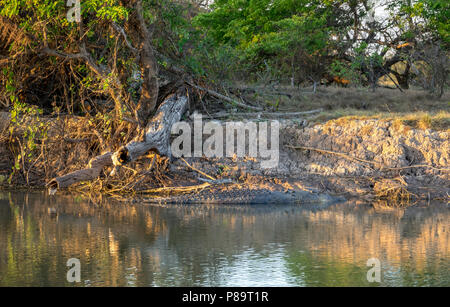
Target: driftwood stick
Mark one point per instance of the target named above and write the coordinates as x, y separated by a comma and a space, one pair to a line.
183, 189
197, 170
176, 189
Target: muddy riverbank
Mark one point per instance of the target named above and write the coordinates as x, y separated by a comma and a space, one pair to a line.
371, 159
350, 158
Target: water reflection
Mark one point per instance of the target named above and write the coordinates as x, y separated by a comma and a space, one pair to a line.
137, 245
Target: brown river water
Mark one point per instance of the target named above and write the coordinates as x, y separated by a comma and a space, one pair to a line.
122, 244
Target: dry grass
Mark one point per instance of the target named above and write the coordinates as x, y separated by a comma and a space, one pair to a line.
402, 121
415, 108
382, 100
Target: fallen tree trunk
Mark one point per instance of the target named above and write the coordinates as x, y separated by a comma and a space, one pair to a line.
157, 138
93, 170
157, 133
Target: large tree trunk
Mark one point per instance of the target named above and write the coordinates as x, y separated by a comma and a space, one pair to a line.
157, 134
149, 68
153, 132
157, 138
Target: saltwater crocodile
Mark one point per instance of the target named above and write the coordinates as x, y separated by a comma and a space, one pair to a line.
247, 196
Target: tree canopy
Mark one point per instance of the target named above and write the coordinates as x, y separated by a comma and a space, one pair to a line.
358, 39
46, 59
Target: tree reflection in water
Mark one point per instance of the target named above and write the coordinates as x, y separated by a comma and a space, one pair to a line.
122, 244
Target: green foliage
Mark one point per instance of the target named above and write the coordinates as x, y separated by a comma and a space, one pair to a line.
307, 35
57, 9
433, 16
294, 35
437, 13
266, 27
27, 121
45, 24
345, 71
232, 40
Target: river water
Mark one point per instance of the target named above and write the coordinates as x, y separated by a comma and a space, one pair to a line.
122, 244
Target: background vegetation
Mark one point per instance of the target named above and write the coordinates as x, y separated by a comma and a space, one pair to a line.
125, 56
270, 41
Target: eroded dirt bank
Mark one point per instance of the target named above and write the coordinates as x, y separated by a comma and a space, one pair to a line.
352, 158
348, 158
